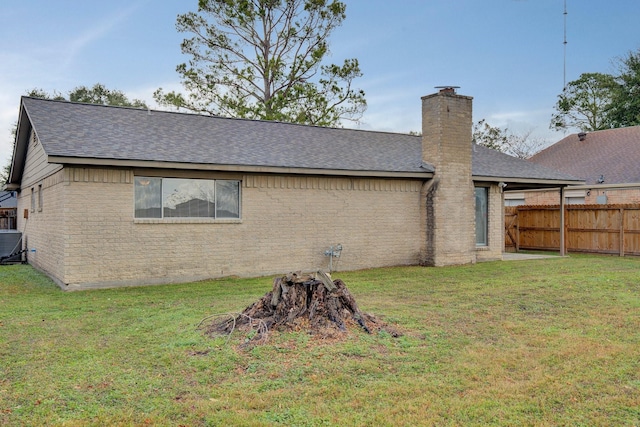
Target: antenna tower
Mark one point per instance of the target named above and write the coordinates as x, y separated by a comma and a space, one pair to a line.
564, 64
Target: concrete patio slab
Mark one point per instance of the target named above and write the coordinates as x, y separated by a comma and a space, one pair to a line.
513, 256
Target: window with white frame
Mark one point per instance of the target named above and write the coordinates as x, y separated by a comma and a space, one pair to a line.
186, 198
512, 198
574, 197
514, 202
574, 200
482, 216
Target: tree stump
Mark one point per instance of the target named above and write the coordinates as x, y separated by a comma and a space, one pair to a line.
299, 301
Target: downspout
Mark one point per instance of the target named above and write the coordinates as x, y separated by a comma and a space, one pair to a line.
426, 188
427, 193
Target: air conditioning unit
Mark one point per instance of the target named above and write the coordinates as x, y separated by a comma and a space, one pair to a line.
10, 243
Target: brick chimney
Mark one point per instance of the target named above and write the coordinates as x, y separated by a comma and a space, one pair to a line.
450, 198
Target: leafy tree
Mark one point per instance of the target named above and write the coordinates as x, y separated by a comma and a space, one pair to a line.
99, 94
262, 59
41, 93
625, 105
585, 103
4, 173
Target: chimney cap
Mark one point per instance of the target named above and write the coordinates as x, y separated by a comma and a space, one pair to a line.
582, 136
447, 89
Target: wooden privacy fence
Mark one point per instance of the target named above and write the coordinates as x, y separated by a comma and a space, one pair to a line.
607, 229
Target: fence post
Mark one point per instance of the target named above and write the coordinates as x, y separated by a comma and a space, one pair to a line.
562, 243
518, 229
621, 231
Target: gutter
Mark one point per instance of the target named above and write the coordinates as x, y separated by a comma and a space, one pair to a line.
603, 186
234, 168
557, 182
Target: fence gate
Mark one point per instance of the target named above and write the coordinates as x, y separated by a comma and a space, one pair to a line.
511, 228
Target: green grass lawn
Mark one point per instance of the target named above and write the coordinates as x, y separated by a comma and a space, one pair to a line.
543, 342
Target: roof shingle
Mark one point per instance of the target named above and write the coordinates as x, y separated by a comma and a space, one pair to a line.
613, 154
68, 129
96, 131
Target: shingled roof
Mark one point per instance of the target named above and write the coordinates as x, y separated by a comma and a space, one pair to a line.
73, 130
612, 154
75, 133
489, 163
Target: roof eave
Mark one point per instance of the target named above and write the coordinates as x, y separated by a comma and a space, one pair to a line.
21, 141
620, 186
529, 182
234, 168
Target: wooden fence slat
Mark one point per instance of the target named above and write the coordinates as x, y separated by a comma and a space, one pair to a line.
611, 229
621, 215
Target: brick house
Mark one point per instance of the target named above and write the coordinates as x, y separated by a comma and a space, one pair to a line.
112, 196
607, 161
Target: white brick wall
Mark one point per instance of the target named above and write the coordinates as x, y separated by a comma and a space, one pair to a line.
44, 232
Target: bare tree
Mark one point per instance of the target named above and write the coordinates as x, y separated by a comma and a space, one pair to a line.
524, 145
521, 145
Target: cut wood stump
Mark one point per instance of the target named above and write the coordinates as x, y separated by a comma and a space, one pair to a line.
300, 301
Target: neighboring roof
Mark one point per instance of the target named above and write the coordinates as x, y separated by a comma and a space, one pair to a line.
8, 199
613, 154
74, 133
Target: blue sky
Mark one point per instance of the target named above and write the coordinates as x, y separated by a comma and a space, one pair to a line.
507, 54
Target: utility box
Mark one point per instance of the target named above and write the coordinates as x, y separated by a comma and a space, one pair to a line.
10, 243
